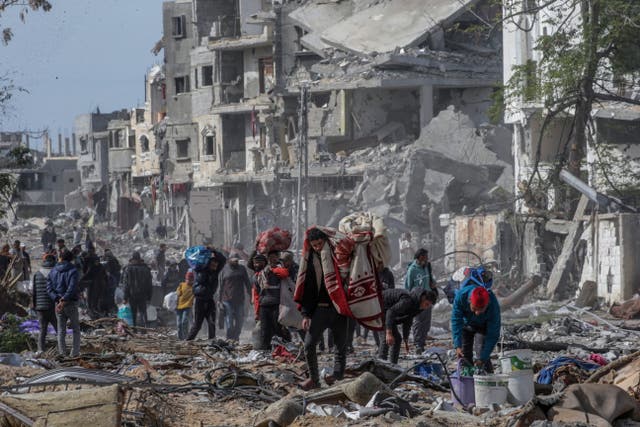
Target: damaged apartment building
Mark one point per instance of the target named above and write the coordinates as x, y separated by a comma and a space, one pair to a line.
600, 243
392, 116
43, 181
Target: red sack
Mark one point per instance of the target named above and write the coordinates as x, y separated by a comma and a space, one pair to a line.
274, 239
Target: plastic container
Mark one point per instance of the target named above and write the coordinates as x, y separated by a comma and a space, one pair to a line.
516, 360
521, 387
463, 387
433, 371
491, 389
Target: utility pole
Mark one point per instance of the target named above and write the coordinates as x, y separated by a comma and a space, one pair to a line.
302, 220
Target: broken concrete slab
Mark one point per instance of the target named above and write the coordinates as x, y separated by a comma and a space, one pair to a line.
282, 413
98, 407
391, 24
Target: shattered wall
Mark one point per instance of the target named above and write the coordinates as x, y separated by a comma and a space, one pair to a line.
613, 256
252, 71
206, 209
372, 109
614, 161
490, 236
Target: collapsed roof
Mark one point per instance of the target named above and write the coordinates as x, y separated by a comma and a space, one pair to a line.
368, 27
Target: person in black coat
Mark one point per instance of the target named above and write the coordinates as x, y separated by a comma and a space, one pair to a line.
42, 302
400, 307
138, 286
204, 288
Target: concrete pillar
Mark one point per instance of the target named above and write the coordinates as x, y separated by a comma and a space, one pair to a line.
59, 144
47, 143
67, 151
73, 144
27, 141
426, 105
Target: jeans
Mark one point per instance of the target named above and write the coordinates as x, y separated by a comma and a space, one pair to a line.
383, 350
69, 312
183, 319
323, 318
203, 309
139, 307
469, 335
233, 319
44, 319
421, 327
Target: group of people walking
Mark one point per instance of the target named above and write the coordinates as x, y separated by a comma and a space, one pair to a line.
217, 292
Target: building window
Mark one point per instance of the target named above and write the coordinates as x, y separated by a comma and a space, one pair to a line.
132, 140
196, 83
83, 145
70, 180
207, 75
178, 29
182, 84
265, 77
182, 149
210, 146
54, 178
144, 144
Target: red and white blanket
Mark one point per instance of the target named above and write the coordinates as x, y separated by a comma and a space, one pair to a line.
351, 258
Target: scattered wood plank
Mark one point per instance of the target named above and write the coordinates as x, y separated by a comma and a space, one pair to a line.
564, 262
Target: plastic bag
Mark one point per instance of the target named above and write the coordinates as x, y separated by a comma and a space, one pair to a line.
170, 301
197, 256
288, 314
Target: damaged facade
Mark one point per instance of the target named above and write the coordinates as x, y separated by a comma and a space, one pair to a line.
237, 147
599, 243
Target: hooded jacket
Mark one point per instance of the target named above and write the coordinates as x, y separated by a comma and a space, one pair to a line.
62, 282
489, 321
419, 277
41, 299
400, 307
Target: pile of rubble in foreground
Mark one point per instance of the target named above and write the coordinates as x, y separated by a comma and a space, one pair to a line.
144, 377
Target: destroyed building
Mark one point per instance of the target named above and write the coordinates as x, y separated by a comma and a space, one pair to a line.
599, 243
237, 151
44, 178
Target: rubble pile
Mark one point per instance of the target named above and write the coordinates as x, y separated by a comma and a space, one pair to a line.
147, 377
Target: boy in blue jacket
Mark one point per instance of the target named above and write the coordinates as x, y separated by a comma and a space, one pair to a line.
475, 311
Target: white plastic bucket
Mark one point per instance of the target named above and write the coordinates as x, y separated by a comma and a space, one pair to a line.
521, 387
516, 360
490, 389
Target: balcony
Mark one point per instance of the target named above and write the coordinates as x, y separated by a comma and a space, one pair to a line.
121, 159
227, 34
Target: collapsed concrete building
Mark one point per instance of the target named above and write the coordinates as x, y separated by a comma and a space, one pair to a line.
600, 243
45, 177
237, 148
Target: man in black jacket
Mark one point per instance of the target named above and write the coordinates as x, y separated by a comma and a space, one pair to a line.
319, 314
204, 288
138, 287
400, 308
234, 284
42, 302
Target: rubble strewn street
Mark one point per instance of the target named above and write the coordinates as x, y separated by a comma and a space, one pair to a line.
324, 213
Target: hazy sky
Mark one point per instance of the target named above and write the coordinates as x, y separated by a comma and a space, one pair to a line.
80, 55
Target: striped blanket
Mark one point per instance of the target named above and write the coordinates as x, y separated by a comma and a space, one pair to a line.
349, 265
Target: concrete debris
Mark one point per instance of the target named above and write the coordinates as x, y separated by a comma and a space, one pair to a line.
101, 407
362, 32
